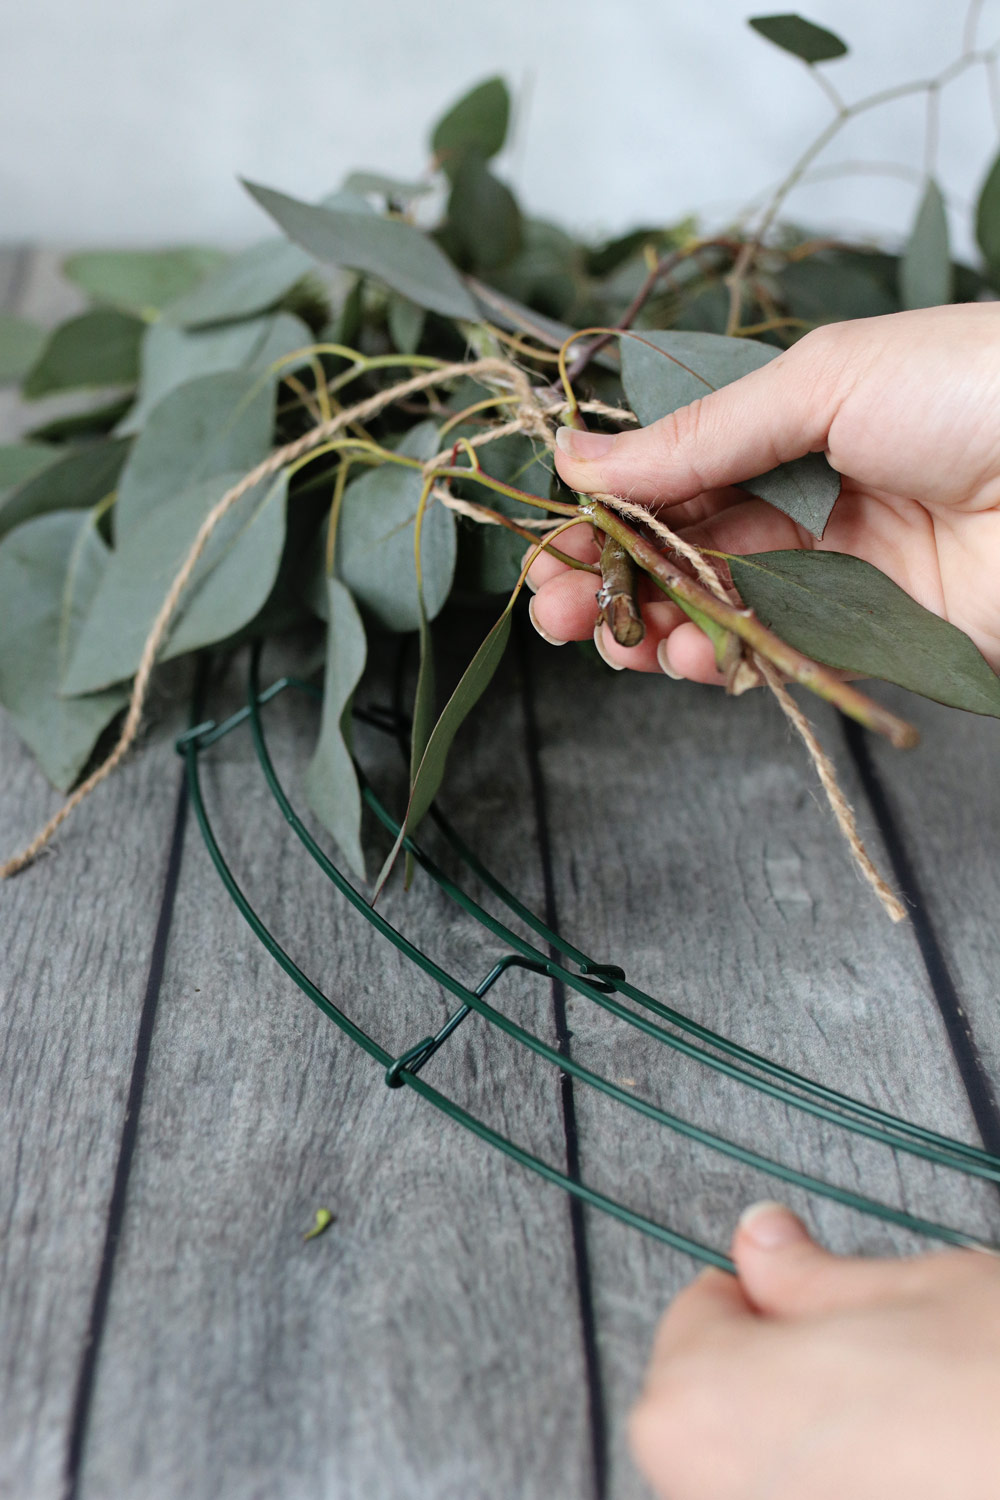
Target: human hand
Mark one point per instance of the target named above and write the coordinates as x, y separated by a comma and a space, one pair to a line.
815, 1377
906, 408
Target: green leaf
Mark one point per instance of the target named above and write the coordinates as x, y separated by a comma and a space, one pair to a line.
21, 461
21, 342
492, 553
988, 217
172, 356
497, 307
98, 348
213, 425
92, 422
804, 489
925, 274
77, 482
804, 39
430, 773
478, 122
842, 611
392, 189
397, 253
406, 324
331, 783
483, 214
832, 286
141, 281
230, 585
248, 284
49, 570
374, 552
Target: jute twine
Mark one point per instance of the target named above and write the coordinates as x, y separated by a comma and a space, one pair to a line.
533, 419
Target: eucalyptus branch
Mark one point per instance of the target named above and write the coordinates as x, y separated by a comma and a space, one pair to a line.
968, 58
617, 597
745, 624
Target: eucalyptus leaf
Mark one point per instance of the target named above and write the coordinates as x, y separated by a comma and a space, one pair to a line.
498, 307
21, 342
395, 252
213, 425
331, 783
493, 553
925, 273
804, 39
374, 547
99, 348
805, 489
846, 613
50, 569
477, 122
483, 214
246, 285
392, 189
20, 462
830, 286
92, 421
78, 481
430, 773
988, 217
171, 356
231, 582
406, 323
141, 281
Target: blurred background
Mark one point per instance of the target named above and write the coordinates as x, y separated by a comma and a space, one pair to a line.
128, 121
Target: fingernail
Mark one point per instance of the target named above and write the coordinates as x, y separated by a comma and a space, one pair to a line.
771, 1226
585, 445
602, 650
661, 657
552, 640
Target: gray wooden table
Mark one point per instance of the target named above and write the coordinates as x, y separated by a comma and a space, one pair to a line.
173, 1110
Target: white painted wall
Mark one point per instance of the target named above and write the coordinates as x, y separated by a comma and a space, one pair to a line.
127, 121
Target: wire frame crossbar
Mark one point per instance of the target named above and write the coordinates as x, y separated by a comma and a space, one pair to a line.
604, 985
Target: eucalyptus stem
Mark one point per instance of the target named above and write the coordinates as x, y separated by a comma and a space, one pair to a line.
617, 597
745, 624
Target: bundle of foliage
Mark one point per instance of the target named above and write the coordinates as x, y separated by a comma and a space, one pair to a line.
398, 323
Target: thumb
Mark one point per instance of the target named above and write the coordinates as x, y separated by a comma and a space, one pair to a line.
779, 412
783, 1272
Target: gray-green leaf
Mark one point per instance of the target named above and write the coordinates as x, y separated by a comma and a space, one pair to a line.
21, 342
483, 214
430, 773
478, 122
988, 217
805, 489
141, 281
213, 425
248, 283
331, 784
374, 549
925, 272
49, 570
171, 356
397, 253
230, 584
842, 611
98, 348
804, 39
406, 323
79, 480
20, 461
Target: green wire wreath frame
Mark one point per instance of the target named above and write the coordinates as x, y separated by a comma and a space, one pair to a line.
599, 983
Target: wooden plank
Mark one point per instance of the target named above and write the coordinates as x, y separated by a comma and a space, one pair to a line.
77, 930
946, 800
689, 847
429, 1343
